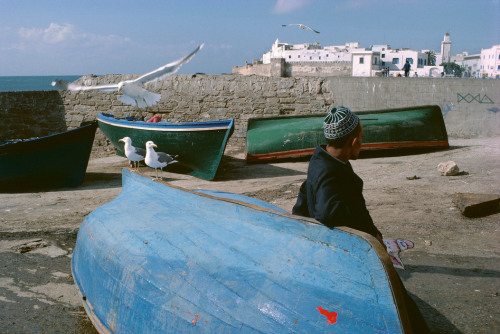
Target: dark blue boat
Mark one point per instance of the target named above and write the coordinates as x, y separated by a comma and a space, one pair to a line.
58, 160
162, 259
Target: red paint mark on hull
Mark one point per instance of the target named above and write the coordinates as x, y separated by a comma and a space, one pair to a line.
331, 317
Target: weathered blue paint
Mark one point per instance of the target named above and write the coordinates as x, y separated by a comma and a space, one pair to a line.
162, 259
57, 160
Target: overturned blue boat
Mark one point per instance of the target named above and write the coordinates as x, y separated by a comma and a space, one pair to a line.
162, 259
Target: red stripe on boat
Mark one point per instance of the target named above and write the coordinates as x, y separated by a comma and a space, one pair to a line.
368, 147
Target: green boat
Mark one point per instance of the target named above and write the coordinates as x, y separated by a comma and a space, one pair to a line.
198, 145
282, 137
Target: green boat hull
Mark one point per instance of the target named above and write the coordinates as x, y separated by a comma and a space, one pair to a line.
297, 136
198, 145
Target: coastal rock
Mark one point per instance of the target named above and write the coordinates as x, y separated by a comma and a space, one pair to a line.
449, 168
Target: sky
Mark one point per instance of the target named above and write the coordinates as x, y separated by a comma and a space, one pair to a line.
52, 37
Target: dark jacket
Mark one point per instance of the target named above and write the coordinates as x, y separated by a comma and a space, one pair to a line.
332, 194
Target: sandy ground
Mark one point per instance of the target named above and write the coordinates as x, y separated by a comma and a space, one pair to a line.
453, 272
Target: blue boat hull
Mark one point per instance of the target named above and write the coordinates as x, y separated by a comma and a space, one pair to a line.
58, 160
162, 259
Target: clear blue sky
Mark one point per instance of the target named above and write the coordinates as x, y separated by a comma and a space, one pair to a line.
52, 37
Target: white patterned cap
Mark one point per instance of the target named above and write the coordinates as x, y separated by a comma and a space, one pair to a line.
339, 122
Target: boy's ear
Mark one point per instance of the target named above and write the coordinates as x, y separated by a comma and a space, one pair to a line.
353, 141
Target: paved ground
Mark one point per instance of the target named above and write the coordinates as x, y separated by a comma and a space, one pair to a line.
453, 272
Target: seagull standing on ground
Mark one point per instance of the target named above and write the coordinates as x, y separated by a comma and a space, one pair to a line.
133, 154
133, 91
301, 26
157, 159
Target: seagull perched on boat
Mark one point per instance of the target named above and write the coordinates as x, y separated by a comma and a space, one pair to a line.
133, 91
133, 154
301, 26
157, 159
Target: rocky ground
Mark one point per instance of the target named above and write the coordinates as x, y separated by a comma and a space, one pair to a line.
453, 272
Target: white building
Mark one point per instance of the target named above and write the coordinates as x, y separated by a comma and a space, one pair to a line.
483, 65
395, 60
490, 62
471, 64
313, 59
365, 63
308, 52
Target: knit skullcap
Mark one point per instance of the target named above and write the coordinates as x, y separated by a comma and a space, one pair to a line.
339, 122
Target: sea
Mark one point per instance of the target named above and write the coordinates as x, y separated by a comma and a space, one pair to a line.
21, 83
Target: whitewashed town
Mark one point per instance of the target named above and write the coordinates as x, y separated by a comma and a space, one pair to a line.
351, 59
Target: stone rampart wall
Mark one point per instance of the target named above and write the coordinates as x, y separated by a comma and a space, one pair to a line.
471, 106
31, 114
331, 68
253, 69
187, 98
280, 68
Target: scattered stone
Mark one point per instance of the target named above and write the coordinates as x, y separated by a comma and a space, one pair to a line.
59, 274
51, 250
31, 245
413, 177
477, 205
428, 242
449, 168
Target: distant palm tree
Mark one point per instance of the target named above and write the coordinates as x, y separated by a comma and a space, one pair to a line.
431, 57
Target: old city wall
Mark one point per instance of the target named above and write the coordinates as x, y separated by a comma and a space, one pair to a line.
333, 68
471, 106
279, 68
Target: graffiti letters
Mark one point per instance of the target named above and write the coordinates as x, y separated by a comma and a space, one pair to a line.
469, 98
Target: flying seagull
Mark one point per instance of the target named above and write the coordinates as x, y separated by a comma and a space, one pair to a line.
157, 159
301, 26
134, 154
133, 91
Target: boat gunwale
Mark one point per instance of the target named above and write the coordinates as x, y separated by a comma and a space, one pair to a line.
98, 325
167, 126
26, 144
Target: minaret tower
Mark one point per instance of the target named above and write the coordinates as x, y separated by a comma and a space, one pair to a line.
446, 49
